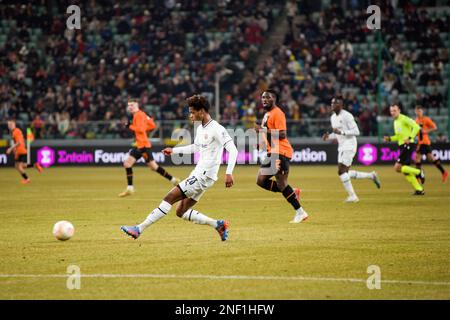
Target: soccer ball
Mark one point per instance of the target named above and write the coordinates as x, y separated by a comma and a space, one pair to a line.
63, 230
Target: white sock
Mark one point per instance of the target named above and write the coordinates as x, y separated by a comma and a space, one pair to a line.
300, 211
360, 175
130, 188
155, 215
199, 218
345, 178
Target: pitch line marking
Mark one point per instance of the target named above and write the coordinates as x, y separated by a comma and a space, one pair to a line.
226, 277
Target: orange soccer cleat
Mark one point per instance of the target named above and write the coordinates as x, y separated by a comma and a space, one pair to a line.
25, 181
38, 167
445, 176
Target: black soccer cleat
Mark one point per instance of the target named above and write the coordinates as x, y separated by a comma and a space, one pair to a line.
421, 176
419, 193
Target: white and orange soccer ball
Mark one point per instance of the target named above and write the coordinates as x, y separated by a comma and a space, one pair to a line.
63, 230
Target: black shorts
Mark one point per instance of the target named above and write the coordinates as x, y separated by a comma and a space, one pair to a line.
423, 149
21, 158
141, 153
284, 163
406, 151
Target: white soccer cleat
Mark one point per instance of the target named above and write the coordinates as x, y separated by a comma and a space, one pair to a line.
175, 181
352, 199
126, 193
300, 216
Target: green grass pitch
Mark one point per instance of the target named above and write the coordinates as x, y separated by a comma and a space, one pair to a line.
265, 258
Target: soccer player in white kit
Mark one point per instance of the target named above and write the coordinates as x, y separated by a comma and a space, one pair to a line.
345, 130
210, 140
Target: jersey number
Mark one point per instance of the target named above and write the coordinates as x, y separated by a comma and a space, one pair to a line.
191, 180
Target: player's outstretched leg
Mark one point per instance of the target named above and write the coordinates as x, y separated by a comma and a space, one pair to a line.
366, 175
161, 211
445, 176
38, 167
185, 212
438, 165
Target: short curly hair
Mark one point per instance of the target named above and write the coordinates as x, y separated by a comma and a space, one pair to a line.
198, 102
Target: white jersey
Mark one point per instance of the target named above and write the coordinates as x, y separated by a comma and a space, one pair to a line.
210, 141
345, 123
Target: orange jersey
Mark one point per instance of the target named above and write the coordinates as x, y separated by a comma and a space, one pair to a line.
425, 124
17, 136
141, 124
275, 120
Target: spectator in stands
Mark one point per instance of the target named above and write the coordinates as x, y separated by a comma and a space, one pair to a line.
441, 138
38, 126
63, 123
176, 48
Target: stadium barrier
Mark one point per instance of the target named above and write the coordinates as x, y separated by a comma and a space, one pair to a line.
305, 154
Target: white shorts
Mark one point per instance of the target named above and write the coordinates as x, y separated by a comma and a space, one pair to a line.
195, 185
346, 157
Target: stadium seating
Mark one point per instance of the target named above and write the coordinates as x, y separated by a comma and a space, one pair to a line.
163, 54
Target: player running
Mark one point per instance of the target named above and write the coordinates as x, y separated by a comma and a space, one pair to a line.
210, 140
345, 130
424, 145
20, 151
406, 129
141, 124
279, 154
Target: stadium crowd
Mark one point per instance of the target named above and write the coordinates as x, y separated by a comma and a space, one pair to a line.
58, 79
159, 52
318, 59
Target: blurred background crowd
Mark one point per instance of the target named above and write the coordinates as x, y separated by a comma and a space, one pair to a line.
59, 81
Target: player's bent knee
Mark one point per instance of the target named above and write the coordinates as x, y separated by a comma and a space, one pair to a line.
281, 185
127, 165
260, 182
180, 211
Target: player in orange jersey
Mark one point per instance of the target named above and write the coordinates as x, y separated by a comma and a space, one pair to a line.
424, 144
279, 154
20, 151
140, 125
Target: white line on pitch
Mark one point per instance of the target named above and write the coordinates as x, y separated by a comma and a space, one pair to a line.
225, 277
